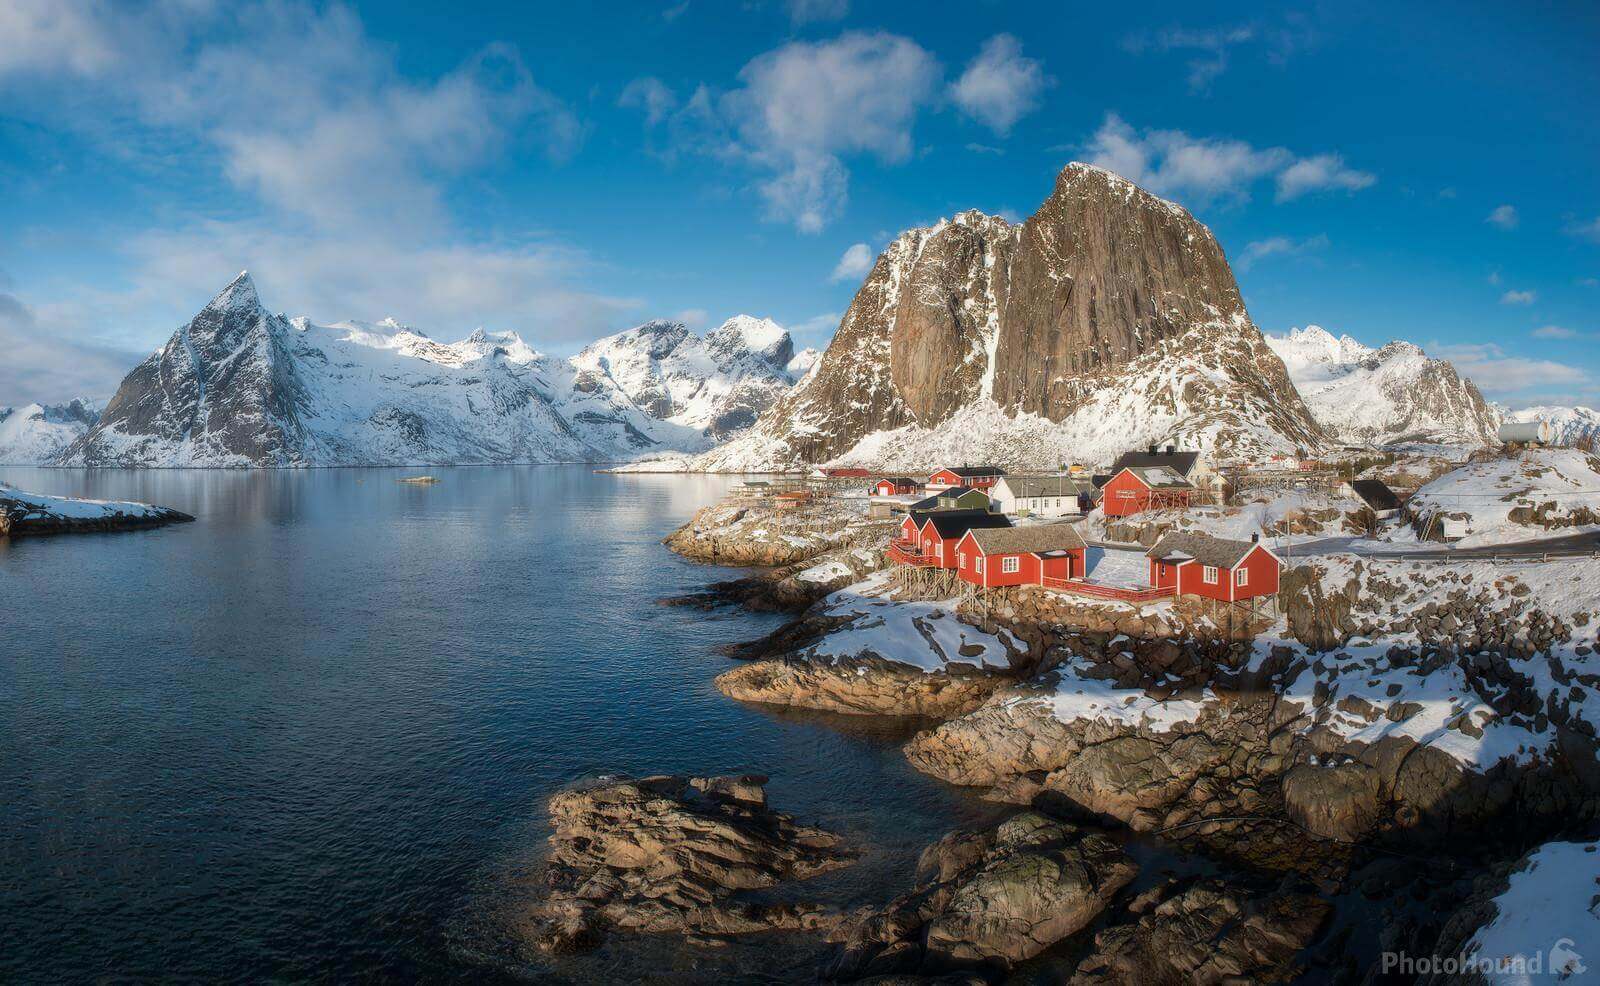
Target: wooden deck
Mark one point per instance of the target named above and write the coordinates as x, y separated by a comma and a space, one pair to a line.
1078, 587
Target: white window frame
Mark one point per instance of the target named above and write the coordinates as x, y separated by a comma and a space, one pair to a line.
1208, 575
977, 564
1241, 578
1010, 565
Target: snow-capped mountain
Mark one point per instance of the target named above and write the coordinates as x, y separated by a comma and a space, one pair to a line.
717, 384
1367, 396
35, 433
1571, 424
240, 386
1106, 321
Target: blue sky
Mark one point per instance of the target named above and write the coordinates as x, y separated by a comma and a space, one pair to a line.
568, 170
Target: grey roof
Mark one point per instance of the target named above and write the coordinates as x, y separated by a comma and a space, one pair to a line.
1036, 538
1045, 485
899, 480
972, 471
1375, 493
1181, 462
1185, 545
1160, 477
954, 523
955, 493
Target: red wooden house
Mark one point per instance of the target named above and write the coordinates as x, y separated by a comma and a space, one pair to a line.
895, 486
930, 538
1020, 555
1139, 488
977, 477
1216, 568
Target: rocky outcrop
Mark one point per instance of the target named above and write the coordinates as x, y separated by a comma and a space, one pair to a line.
860, 688
24, 514
674, 854
754, 532
988, 899
1205, 934
1108, 320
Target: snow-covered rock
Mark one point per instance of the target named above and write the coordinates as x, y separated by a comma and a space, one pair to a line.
240, 386
37, 513
36, 433
1395, 394
717, 384
1534, 493
1108, 320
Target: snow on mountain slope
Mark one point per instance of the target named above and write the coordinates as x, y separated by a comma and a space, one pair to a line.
1368, 396
1571, 424
239, 386
37, 432
717, 384
1108, 320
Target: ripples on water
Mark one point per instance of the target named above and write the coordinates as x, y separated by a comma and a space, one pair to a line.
310, 736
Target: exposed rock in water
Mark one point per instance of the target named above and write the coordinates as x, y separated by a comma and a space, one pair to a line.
859, 689
33, 513
672, 854
1207, 934
989, 899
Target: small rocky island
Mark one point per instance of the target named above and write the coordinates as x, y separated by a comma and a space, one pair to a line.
35, 513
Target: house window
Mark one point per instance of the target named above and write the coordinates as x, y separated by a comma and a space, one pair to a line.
1241, 577
1010, 564
961, 559
1209, 575
978, 564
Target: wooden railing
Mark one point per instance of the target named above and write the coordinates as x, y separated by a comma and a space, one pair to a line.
902, 553
1081, 588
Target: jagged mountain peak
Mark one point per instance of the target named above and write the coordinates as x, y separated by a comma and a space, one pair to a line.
759, 337
240, 294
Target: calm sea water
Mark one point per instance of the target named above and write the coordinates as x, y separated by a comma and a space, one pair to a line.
311, 735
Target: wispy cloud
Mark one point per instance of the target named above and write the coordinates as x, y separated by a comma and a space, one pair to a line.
1560, 332
1519, 297
1257, 250
1206, 169
1001, 85
808, 11
1211, 49
1503, 217
1588, 230
649, 95
854, 264
1512, 378
49, 360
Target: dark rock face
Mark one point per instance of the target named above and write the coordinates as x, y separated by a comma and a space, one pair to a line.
223, 385
671, 854
989, 899
1205, 934
1098, 290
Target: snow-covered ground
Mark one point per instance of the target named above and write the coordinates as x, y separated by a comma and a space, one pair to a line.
919, 634
1122, 568
33, 506
35, 433
1547, 919
1286, 517
1075, 698
1532, 494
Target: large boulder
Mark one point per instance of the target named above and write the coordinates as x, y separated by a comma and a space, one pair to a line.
672, 854
990, 899
1339, 802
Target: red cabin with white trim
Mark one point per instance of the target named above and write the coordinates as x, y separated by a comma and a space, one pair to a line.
1135, 489
1020, 555
895, 486
1214, 568
976, 477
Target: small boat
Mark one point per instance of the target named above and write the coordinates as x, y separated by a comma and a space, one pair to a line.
420, 480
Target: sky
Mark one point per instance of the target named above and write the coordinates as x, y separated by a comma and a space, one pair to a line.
569, 170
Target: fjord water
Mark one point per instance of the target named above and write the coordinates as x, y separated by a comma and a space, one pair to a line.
310, 735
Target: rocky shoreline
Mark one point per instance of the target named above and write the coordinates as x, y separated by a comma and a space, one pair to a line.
1397, 732
24, 514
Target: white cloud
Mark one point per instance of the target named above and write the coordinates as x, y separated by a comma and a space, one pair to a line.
1503, 217
46, 361
816, 330
694, 318
1320, 173
977, 148
302, 108
1586, 230
650, 95
854, 264
1554, 332
1278, 245
1505, 377
1001, 85
1519, 297
805, 105
1212, 44
807, 11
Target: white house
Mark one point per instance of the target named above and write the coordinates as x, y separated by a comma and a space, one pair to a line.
1038, 496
